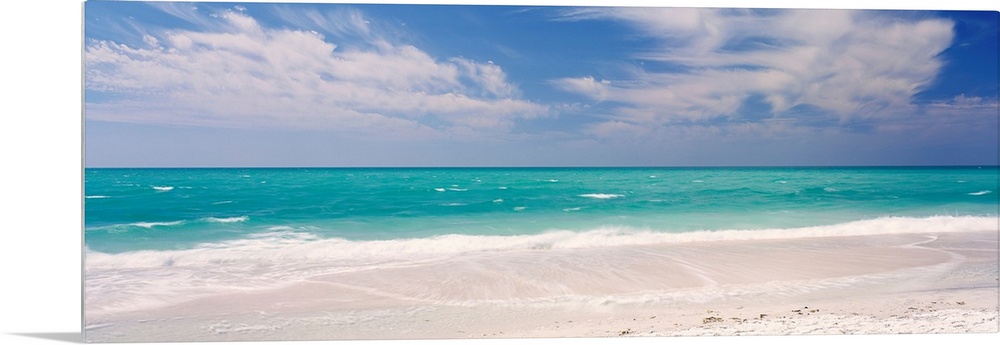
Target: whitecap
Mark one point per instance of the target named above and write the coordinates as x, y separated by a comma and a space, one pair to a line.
498, 200
163, 188
227, 220
439, 189
519, 208
601, 196
453, 204
502, 187
149, 225
96, 197
572, 209
982, 192
457, 189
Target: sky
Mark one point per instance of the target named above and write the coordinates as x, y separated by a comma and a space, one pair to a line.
358, 85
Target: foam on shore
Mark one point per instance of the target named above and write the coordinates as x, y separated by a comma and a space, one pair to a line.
847, 280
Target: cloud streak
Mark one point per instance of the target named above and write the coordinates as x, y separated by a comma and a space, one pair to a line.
709, 63
239, 73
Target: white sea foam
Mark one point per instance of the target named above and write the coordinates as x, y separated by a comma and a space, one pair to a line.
519, 208
982, 192
498, 200
502, 187
571, 209
307, 246
602, 196
163, 188
453, 204
439, 189
457, 189
222, 202
96, 197
149, 225
143, 279
227, 220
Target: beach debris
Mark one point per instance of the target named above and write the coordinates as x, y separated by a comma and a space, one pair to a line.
961, 302
626, 331
711, 319
762, 316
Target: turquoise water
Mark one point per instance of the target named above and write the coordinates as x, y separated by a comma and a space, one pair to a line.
174, 209
156, 237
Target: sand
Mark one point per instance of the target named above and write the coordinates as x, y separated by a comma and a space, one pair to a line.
883, 284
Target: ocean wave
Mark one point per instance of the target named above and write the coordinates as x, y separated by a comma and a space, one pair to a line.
227, 220
96, 197
982, 192
149, 225
163, 188
602, 196
282, 243
149, 278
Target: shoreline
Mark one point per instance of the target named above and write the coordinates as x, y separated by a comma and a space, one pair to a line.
833, 285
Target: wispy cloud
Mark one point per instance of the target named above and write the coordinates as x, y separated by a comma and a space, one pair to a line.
848, 65
237, 72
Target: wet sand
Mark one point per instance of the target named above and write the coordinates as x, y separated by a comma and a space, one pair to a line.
879, 284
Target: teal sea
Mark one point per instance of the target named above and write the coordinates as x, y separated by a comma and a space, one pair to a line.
194, 230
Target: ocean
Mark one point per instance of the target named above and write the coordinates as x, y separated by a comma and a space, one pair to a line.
158, 237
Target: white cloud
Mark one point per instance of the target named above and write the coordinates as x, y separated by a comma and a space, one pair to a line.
587, 86
341, 22
242, 74
850, 64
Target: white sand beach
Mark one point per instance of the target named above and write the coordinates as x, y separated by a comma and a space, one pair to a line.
922, 283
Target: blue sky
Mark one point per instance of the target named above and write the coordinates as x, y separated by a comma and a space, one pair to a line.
281, 84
